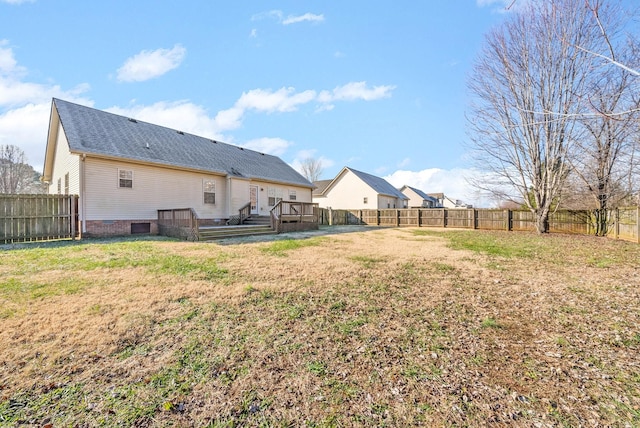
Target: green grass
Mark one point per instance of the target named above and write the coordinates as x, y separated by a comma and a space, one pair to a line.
495, 244
395, 347
366, 261
281, 247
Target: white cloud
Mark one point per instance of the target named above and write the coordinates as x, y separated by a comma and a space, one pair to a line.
282, 100
288, 100
355, 91
149, 64
453, 183
310, 17
8, 64
25, 107
278, 15
270, 146
18, 1
405, 162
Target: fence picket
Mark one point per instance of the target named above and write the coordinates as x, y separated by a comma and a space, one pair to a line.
623, 222
37, 217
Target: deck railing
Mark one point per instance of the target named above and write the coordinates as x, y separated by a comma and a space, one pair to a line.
179, 223
292, 216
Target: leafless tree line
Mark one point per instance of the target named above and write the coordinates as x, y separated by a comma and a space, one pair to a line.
556, 110
16, 176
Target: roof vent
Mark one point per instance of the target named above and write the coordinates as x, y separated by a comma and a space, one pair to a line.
132, 120
146, 146
241, 148
180, 132
214, 141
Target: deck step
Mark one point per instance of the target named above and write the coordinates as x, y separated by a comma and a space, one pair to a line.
257, 220
221, 232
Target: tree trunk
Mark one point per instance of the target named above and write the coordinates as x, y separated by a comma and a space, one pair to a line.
542, 221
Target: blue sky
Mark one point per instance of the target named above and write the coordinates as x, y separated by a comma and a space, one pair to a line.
375, 86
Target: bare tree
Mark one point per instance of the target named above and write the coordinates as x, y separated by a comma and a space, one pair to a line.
312, 169
16, 176
528, 84
605, 159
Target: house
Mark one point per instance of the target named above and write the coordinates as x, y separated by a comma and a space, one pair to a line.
352, 189
446, 202
125, 170
417, 198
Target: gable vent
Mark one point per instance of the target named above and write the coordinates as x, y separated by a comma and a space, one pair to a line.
132, 120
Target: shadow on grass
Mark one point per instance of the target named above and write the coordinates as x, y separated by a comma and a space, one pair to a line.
63, 243
323, 231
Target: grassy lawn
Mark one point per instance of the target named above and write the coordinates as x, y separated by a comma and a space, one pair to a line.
392, 327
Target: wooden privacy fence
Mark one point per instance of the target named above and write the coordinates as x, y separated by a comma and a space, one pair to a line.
38, 217
623, 222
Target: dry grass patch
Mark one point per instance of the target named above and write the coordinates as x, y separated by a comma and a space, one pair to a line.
390, 327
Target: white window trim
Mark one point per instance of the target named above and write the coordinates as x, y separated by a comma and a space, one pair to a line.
204, 191
119, 182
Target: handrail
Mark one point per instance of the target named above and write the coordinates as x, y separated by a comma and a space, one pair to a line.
244, 212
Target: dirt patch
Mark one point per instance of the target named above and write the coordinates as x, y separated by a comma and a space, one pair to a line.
365, 327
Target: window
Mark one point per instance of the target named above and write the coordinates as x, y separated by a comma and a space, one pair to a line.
365, 200
125, 179
292, 195
275, 196
66, 183
59, 186
209, 189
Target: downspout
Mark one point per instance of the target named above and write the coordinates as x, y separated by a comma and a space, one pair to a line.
83, 223
228, 196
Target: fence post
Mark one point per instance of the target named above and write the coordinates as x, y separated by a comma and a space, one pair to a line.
330, 214
397, 218
72, 220
617, 223
638, 224
444, 217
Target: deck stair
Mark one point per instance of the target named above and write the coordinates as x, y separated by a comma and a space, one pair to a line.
257, 225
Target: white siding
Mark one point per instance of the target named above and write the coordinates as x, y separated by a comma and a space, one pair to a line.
349, 192
239, 194
153, 189
157, 188
65, 163
415, 200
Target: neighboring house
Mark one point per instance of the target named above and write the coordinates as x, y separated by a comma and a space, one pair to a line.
446, 202
124, 170
352, 189
417, 198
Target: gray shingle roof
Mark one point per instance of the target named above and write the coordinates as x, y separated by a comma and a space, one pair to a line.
321, 185
421, 193
380, 185
101, 133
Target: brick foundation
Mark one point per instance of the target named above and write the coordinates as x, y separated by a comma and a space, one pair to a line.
99, 228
